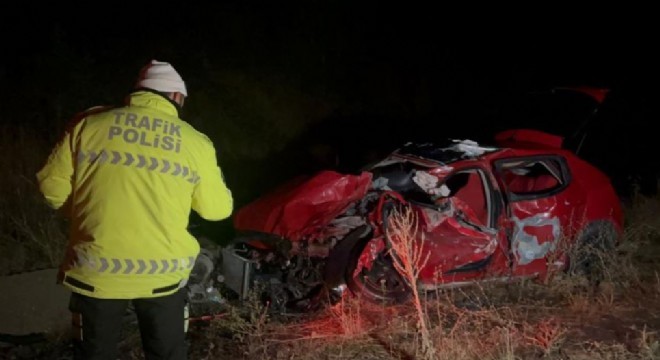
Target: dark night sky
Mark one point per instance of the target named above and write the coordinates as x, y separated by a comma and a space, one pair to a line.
472, 55
408, 71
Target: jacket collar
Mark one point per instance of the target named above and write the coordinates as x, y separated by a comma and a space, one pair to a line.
153, 100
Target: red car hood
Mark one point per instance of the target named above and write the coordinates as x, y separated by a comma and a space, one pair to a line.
302, 205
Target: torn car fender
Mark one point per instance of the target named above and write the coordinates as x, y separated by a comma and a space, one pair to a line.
303, 205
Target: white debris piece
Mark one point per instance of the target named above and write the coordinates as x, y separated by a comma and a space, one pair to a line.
429, 183
425, 180
348, 221
380, 184
443, 190
471, 148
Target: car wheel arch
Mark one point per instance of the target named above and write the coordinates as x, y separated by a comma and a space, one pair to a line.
340, 256
586, 256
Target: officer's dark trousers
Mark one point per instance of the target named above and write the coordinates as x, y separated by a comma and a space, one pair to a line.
97, 325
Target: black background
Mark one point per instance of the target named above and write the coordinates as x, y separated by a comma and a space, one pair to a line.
387, 74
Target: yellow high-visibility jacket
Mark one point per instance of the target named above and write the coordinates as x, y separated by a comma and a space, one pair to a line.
128, 178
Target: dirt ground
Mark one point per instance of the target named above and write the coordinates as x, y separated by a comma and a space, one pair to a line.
33, 303
607, 324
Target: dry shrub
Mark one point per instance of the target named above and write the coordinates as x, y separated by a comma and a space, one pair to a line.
641, 240
409, 259
649, 345
348, 316
545, 335
475, 334
32, 236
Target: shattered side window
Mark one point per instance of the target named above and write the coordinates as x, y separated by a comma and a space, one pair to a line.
472, 198
532, 177
465, 192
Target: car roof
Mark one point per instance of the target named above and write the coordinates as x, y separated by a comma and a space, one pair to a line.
515, 142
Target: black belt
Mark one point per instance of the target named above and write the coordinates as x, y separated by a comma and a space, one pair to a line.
84, 286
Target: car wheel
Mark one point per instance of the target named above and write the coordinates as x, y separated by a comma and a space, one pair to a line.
593, 252
379, 283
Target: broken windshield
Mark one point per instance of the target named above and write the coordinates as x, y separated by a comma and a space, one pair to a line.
448, 153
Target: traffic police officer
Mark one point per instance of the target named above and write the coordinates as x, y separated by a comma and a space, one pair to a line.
127, 179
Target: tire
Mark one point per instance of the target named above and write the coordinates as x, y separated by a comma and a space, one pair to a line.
381, 284
594, 248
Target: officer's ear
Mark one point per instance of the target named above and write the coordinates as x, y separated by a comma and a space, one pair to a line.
177, 97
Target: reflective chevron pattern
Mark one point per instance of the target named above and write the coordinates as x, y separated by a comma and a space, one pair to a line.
137, 266
139, 161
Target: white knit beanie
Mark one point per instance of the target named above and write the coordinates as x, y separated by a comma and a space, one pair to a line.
161, 76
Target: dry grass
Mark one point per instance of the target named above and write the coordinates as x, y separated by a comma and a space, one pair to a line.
32, 236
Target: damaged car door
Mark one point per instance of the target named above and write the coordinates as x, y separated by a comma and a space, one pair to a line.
461, 237
461, 228
537, 192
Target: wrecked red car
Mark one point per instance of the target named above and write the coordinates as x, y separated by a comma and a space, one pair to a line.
485, 213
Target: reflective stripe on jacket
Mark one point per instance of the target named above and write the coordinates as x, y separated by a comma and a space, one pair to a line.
129, 177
